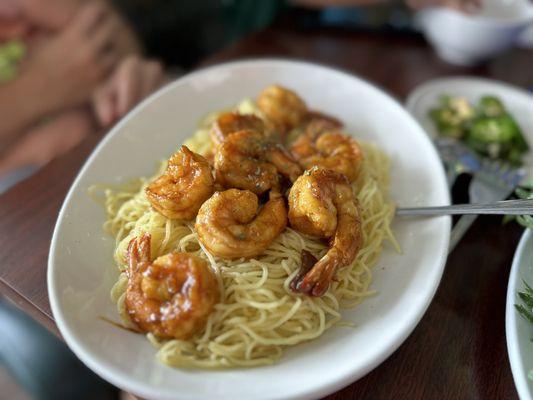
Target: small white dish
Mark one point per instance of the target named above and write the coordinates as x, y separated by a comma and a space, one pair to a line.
516, 100
81, 268
466, 40
518, 331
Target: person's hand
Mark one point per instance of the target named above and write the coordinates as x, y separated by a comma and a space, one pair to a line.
54, 16
134, 79
46, 141
11, 24
466, 6
67, 68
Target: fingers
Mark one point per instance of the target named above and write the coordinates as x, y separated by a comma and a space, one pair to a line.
104, 105
137, 80
133, 80
87, 18
102, 37
153, 77
9, 9
129, 84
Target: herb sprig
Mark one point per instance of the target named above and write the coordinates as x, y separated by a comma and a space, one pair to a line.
525, 310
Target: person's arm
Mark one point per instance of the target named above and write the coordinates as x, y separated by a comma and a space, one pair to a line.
19, 108
62, 73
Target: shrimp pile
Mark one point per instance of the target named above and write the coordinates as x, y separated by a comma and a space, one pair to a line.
266, 178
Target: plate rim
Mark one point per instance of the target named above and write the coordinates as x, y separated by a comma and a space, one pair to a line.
121, 379
511, 331
422, 89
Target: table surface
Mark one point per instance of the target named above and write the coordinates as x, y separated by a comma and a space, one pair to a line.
458, 351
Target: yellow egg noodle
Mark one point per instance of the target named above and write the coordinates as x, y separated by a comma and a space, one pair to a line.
258, 315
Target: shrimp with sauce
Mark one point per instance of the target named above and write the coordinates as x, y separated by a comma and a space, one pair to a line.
172, 296
232, 225
247, 160
282, 107
331, 150
322, 204
318, 123
230, 122
180, 191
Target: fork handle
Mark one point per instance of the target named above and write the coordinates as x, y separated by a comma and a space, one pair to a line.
509, 207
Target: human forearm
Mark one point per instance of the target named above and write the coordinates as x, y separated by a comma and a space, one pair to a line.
20, 107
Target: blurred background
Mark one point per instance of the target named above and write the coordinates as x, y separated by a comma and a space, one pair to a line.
72, 68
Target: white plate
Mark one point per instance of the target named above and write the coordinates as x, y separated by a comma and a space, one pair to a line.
81, 253
517, 330
517, 101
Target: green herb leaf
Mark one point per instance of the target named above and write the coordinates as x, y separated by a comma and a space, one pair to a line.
524, 312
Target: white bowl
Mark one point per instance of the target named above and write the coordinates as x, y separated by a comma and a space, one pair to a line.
81, 253
470, 39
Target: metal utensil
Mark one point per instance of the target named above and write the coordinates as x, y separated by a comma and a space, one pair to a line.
492, 180
508, 207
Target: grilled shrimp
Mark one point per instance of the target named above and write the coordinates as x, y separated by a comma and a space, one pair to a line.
282, 107
318, 123
180, 191
230, 122
247, 160
231, 225
322, 204
331, 150
171, 296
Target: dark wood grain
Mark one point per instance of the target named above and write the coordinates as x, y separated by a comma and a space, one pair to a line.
457, 351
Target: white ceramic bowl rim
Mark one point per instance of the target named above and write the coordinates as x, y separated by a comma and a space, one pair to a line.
484, 20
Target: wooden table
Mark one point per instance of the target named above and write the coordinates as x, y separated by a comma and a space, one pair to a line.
458, 351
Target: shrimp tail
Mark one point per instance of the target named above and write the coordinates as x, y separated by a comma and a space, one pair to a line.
316, 281
138, 252
307, 262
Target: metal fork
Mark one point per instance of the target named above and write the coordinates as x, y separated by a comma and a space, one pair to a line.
492, 180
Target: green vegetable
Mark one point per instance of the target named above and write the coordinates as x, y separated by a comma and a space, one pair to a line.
523, 192
10, 56
490, 106
488, 129
446, 125
492, 137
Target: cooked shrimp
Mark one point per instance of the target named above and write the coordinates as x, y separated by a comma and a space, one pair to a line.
180, 191
318, 123
322, 204
171, 296
331, 150
232, 225
247, 160
282, 107
230, 122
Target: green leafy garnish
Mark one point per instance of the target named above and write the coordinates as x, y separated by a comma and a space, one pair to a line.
527, 299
